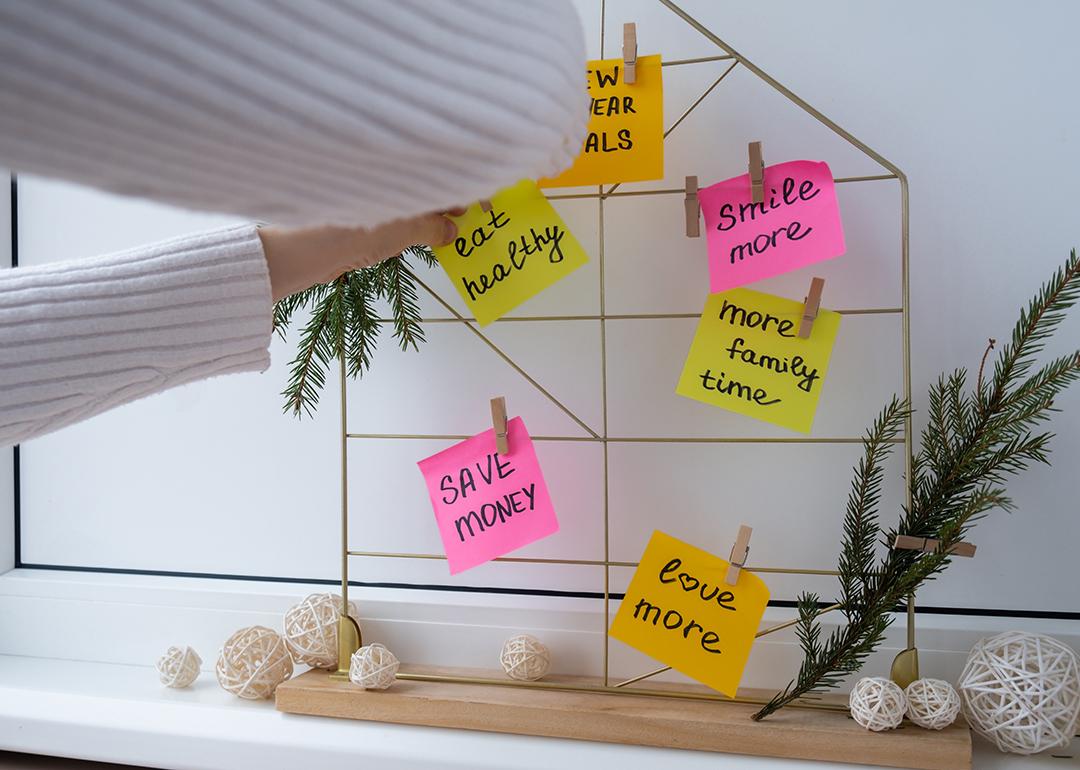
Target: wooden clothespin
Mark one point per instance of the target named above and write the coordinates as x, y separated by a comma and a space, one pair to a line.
498, 421
485, 206
740, 552
929, 545
757, 173
693, 208
811, 305
629, 53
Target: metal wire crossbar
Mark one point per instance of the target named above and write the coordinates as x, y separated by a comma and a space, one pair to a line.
601, 435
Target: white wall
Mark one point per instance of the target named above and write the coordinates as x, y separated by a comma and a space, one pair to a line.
975, 108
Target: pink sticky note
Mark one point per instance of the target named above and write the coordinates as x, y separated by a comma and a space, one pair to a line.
797, 225
487, 504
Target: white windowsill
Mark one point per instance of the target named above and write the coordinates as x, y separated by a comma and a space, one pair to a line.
116, 713
76, 680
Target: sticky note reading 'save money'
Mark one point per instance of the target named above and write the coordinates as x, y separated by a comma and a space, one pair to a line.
488, 504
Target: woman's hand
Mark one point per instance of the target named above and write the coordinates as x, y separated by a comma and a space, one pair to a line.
301, 257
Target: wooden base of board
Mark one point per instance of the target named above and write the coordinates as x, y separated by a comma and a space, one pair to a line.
797, 733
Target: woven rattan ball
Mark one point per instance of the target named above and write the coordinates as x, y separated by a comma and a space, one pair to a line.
373, 667
253, 662
877, 703
179, 667
311, 629
524, 657
1021, 691
932, 703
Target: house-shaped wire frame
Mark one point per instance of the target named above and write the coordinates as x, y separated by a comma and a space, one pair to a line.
604, 682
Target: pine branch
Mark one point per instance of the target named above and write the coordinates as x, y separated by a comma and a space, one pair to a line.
861, 528
284, 309
399, 288
315, 352
362, 326
973, 442
344, 321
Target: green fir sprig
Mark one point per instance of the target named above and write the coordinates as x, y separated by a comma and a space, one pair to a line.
974, 440
344, 321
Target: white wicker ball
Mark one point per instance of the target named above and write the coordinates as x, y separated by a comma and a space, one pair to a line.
877, 703
253, 662
179, 667
373, 667
311, 629
525, 657
932, 703
1021, 691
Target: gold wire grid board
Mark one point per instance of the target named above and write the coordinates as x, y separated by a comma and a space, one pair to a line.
304, 694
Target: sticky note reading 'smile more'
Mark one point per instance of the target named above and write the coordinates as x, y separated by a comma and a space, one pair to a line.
487, 504
747, 357
625, 142
505, 256
679, 610
797, 225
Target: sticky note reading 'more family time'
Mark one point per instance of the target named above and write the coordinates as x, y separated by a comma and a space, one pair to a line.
505, 256
680, 610
747, 357
488, 504
797, 224
625, 141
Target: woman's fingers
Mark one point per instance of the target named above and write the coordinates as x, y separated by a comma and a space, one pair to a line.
298, 258
391, 239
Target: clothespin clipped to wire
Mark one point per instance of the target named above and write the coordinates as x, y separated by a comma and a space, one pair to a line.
757, 173
693, 208
498, 422
811, 306
740, 553
629, 53
485, 206
929, 545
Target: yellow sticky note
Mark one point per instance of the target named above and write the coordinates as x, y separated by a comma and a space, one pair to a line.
504, 256
625, 142
747, 357
679, 610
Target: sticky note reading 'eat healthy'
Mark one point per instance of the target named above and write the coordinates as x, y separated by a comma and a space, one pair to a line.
797, 225
505, 256
487, 504
625, 142
679, 610
747, 357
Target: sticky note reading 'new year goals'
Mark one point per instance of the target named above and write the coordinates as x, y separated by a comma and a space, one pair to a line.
625, 141
487, 504
505, 256
747, 357
679, 610
796, 225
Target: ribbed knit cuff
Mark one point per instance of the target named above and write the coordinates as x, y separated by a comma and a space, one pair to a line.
81, 337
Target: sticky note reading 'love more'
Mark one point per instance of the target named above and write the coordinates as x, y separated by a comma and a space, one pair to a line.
797, 225
487, 504
625, 142
747, 357
505, 256
679, 610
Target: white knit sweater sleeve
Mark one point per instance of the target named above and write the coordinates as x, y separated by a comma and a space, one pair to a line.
80, 337
328, 111
342, 111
